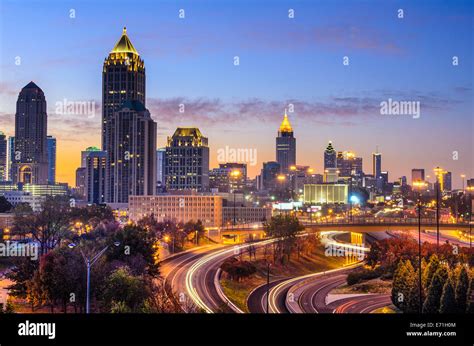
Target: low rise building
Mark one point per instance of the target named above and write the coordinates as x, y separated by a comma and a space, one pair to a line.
178, 208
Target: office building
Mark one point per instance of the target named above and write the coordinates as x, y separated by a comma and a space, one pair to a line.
330, 157
285, 146
30, 163
318, 194
51, 159
187, 160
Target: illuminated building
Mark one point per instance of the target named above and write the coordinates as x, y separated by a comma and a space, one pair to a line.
3, 157
95, 168
178, 208
326, 193
18, 197
51, 159
10, 157
81, 182
30, 161
285, 145
441, 179
221, 178
331, 175
330, 157
348, 164
245, 215
417, 174
377, 169
187, 160
447, 181
131, 156
128, 132
160, 168
268, 176
123, 78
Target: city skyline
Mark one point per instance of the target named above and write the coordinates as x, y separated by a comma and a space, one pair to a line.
347, 117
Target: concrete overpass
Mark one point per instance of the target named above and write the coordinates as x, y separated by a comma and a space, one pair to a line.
239, 234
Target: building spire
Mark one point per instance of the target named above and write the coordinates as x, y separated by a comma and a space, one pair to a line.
285, 124
124, 45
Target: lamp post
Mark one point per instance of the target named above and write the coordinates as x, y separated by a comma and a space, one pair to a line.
470, 189
89, 263
268, 285
418, 185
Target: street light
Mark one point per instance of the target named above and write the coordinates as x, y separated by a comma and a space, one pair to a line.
89, 263
268, 283
418, 185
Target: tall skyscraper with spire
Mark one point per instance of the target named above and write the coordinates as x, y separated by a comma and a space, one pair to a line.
30, 161
330, 157
128, 131
285, 145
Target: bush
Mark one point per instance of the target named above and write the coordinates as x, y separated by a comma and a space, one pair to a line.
363, 274
238, 269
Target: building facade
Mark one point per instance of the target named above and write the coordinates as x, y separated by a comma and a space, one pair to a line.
131, 158
94, 180
285, 146
178, 208
330, 157
228, 177
3, 157
326, 194
30, 161
187, 160
51, 159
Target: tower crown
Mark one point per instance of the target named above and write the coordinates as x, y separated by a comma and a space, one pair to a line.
285, 124
124, 45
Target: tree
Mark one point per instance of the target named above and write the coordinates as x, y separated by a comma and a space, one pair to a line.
448, 302
47, 227
125, 292
4, 205
462, 288
435, 290
403, 282
21, 273
137, 250
430, 270
413, 303
285, 228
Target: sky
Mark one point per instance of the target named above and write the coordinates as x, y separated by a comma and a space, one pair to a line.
61, 46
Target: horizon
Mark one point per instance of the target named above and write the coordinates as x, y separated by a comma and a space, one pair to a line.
287, 61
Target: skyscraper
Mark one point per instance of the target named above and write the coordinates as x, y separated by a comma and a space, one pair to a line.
3, 157
377, 169
348, 164
94, 185
285, 145
330, 157
131, 158
30, 163
128, 132
10, 157
160, 167
417, 174
187, 160
123, 78
51, 159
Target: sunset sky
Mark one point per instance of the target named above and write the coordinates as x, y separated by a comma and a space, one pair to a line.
300, 61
